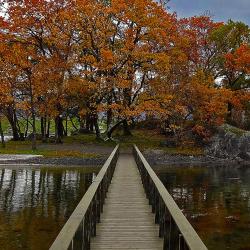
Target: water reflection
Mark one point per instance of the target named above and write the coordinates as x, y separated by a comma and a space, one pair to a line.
35, 203
216, 201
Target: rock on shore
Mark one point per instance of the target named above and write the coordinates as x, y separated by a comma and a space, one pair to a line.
229, 146
161, 158
230, 143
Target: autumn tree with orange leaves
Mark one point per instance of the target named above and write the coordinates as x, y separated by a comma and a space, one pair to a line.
121, 58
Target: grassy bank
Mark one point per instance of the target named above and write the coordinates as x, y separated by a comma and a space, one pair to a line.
47, 150
86, 145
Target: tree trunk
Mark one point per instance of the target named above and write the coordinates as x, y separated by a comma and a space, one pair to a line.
90, 120
10, 116
91, 127
27, 128
109, 119
59, 129
48, 128
87, 124
33, 128
42, 126
109, 112
34, 131
97, 130
229, 112
66, 125
111, 130
2, 135
17, 124
33, 114
71, 120
44, 129
126, 130
133, 123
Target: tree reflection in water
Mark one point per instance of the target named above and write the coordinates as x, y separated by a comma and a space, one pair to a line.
35, 204
216, 200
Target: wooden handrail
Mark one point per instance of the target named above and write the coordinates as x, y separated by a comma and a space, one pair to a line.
81, 225
174, 226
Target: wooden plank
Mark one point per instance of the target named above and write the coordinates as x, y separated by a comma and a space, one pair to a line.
127, 221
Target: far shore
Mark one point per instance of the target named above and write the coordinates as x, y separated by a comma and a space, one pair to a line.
155, 160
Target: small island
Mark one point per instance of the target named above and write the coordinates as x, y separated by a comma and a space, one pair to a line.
123, 99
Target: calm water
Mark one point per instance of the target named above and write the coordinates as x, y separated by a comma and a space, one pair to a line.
216, 201
35, 204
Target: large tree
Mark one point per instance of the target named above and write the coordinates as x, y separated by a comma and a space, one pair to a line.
123, 58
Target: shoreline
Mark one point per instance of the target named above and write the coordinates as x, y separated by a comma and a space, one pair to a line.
154, 159
63, 162
168, 160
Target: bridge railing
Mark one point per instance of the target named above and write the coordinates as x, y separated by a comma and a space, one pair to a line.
173, 225
81, 225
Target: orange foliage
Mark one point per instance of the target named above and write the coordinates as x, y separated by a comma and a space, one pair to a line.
239, 60
131, 57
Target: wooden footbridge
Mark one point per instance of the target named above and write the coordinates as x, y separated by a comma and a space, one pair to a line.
127, 207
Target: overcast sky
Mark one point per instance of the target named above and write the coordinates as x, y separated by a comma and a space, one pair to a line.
221, 10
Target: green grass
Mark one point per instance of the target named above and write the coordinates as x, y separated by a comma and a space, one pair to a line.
22, 123
24, 147
185, 150
5, 124
150, 139
237, 131
144, 139
48, 153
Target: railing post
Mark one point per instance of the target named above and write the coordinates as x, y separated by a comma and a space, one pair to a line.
166, 230
156, 210
98, 205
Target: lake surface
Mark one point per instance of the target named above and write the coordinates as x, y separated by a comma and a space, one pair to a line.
216, 200
36, 203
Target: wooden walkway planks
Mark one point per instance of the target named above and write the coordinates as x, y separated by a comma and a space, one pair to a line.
127, 221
